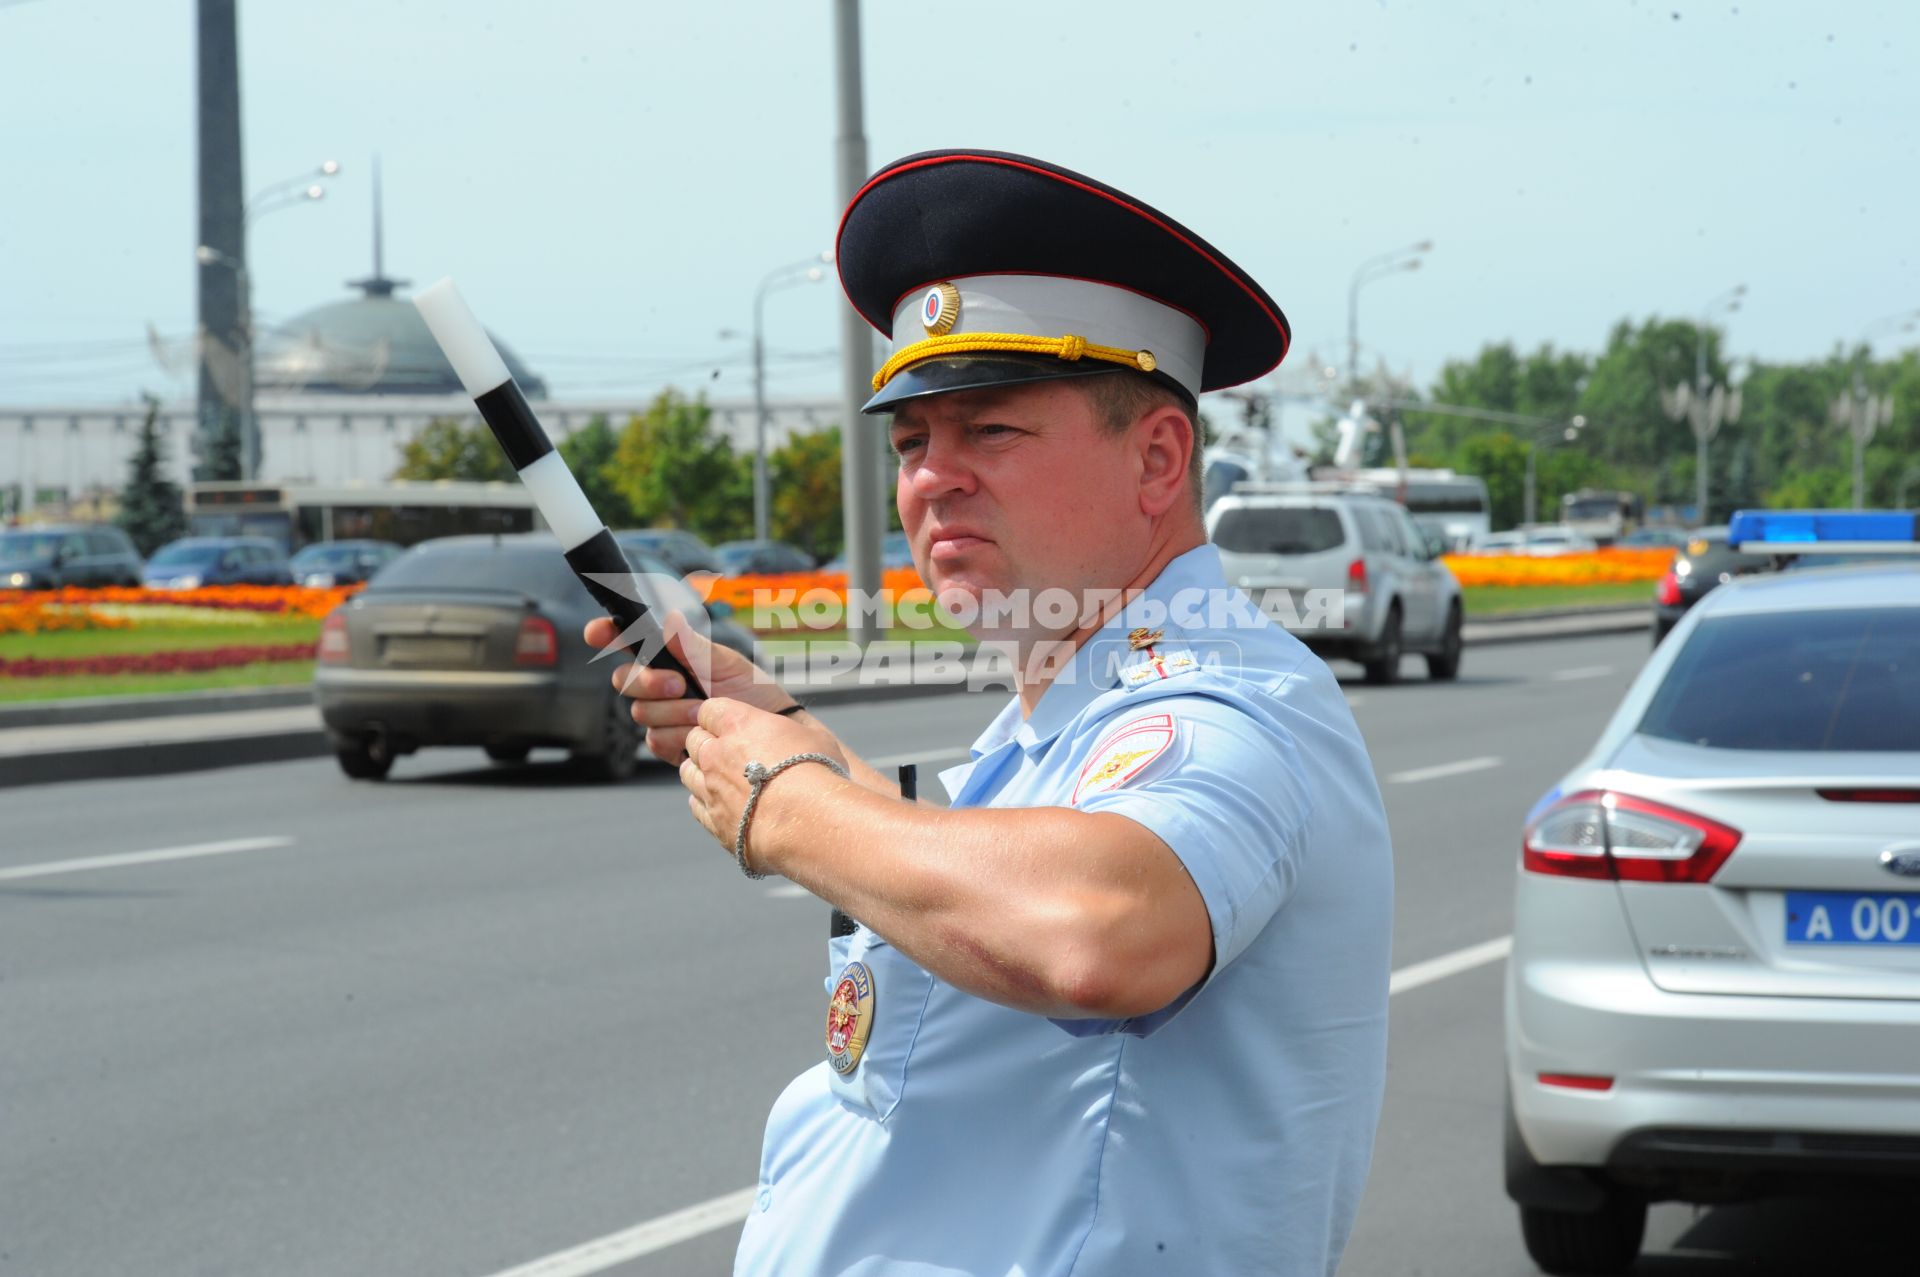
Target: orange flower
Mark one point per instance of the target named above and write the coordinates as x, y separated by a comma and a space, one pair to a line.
1595, 567
296, 600
42, 618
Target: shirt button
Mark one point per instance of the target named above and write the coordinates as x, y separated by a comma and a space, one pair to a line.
765, 1200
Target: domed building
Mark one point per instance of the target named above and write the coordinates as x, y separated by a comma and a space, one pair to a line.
375, 344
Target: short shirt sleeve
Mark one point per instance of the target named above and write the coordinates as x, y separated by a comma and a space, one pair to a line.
1227, 796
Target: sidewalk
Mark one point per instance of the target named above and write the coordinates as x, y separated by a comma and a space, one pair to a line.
194, 731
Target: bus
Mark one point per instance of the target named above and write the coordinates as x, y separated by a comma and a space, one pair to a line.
1452, 507
1603, 514
296, 515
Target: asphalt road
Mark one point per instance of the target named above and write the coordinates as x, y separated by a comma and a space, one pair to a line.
475, 1017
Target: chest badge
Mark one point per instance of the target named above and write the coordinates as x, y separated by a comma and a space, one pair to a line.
849, 1018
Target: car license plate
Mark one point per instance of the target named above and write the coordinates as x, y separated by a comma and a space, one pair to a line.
1846, 917
429, 649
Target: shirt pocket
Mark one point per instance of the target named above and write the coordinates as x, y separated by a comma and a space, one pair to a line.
900, 990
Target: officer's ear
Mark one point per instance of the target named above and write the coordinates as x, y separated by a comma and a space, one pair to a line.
1163, 446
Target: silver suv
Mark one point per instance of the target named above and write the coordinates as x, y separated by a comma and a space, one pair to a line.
1296, 548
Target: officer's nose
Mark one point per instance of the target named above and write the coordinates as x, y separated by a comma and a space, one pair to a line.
942, 469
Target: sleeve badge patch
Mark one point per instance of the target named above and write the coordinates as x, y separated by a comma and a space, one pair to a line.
1124, 754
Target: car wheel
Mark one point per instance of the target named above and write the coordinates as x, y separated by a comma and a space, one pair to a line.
1660, 629
616, 756
1444, 665
513, 753
1602, 1241
365, 759
1384, 665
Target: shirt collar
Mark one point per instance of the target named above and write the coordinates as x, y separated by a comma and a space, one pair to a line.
1090, 676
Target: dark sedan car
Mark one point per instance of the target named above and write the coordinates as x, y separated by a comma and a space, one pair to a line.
328, 563
56, 555
1705, 561
191, 562
682, 550
741, 558
476, 641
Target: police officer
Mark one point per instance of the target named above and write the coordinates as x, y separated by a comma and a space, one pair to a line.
1121, 1008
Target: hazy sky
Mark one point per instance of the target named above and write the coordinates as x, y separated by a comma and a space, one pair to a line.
609, 181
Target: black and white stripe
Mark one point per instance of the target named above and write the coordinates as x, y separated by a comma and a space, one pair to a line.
591, 550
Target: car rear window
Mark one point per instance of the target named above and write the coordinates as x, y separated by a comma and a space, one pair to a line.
540, 572
1821, 680
1279, 530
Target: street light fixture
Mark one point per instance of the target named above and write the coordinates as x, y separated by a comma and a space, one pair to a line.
810, 271
1569, 431
1862, 414
1400, 259
1704, 406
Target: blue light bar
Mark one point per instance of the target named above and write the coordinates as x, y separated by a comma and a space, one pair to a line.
1805, 531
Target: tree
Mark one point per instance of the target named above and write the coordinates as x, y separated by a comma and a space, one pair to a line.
447, 448
1500, 460
674, 471
804, 473
590, 453
151, 511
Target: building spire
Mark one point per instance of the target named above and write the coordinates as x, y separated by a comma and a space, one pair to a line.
377, 284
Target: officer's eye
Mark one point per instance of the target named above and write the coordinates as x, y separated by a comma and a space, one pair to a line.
904, 444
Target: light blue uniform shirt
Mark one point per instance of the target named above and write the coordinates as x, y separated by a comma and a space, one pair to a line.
1226, 1134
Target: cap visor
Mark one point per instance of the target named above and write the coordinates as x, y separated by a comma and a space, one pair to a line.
944, 376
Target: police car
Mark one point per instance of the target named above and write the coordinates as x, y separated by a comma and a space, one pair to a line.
1714, 991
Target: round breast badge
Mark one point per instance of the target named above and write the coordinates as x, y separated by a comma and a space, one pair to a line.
940, 310
849, 1018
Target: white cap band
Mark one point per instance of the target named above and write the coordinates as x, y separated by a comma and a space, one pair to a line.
1048, 306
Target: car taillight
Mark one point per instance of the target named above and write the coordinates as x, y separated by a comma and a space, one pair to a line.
536, 644
1603, 834
1667, 593
334, 646
1870, 795
1357, 576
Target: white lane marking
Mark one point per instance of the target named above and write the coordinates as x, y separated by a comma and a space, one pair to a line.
958, 753
642, 1239
1444, 770
789, 891
1583, 671
83, 865
1474, 955
719, 1212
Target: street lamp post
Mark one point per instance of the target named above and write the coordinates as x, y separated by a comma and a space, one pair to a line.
1570, 431
1373, 268
238, 390
1704, 406
1862, 414
794, 273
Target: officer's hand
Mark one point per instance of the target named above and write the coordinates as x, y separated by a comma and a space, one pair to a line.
729, 736
660, 696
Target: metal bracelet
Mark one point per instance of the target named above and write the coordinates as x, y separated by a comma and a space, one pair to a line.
757, 777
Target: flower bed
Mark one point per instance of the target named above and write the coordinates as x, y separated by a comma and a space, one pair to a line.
292, 600
1592, 568
44, 618
174, 662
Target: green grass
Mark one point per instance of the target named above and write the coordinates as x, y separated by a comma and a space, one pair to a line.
267, 674
1489, 600
157, 638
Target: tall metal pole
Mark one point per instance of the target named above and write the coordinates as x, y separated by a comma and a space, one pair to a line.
859, 449
222, 211
1533, 446
760, 494
1700, 433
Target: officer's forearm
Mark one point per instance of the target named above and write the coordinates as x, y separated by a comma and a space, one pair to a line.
1042, 909
858, 769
